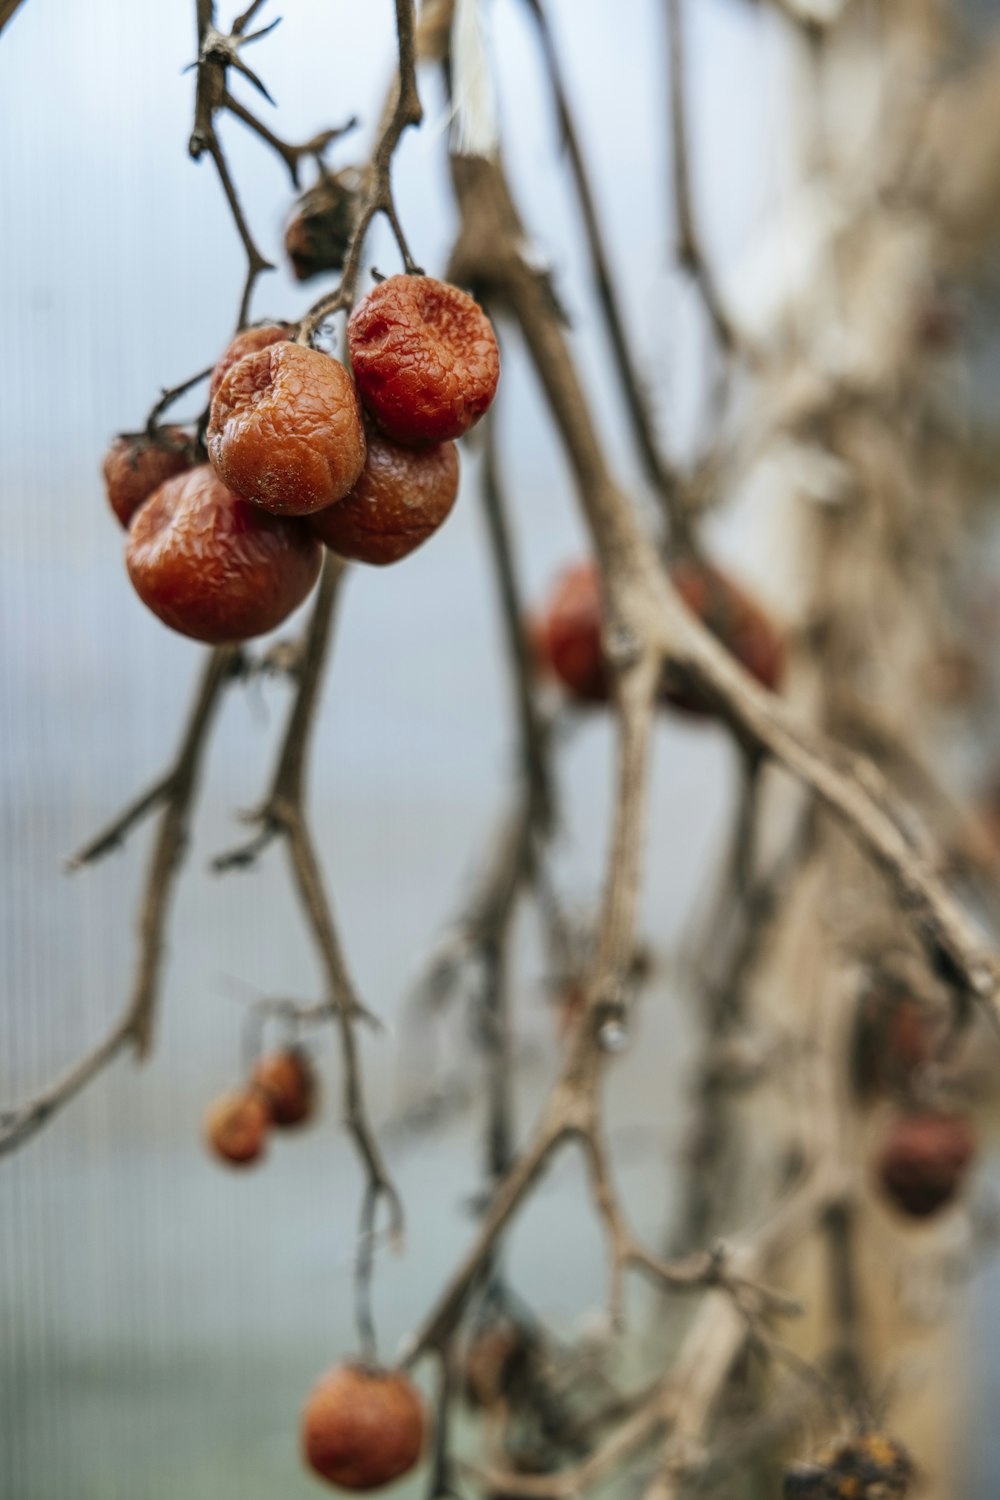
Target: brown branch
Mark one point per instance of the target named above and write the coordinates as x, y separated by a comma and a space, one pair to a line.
680, 1404
534, 731
647, 616
216, 54
176, 794
648, 625
290, 154
660, 472
690, 251
377, 196
283, 816
571, 1110
7, 9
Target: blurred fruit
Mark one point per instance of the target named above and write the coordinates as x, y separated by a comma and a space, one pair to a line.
362, 1428
236, 1128
287, 1082
923, 1161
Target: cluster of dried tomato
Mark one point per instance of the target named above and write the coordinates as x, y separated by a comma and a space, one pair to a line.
304, 452
282, 1092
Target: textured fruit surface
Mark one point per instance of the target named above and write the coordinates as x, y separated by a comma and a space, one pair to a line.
361, 1428
286, 430
570, 637
215, 567
735, 620
236, 1128
402, 497
248, 342
134, 467
287, 1082
923, 1161
425, 358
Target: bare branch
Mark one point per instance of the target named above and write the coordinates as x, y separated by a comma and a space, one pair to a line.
176, 794
660, 472
290, 154
7, 10
647, 615
283, 817
377, 196
689, 248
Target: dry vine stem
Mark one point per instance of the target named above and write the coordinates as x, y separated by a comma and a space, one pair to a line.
283, 816
649, 626
174, 797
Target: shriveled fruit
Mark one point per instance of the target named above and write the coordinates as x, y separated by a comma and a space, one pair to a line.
319, 232
236, 1128
215, 567
285, 430
735, 620
362, 1428
569, 639
250, 341
924, 1160
425, 359
136, 466
402, 497
287, 1082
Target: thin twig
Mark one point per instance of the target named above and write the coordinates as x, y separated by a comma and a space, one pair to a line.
176, 794
690, 252
660, 472
534, 731
377, 197
290, 154
283, 816
7, 9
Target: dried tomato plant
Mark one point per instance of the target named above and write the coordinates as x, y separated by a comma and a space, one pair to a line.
841, 974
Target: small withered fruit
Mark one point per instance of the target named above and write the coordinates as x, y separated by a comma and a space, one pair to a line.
425, 358
567, 639
287, 1082
923, 1161
236, 1128
867, 1466
318, 233
736, 620
136, 464
215, 567
248, 341
285, 430
568, 642
402, 497
362, 1428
